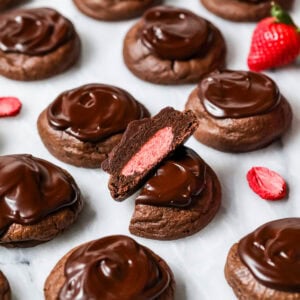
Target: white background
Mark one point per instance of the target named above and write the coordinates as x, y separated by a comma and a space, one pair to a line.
197, 261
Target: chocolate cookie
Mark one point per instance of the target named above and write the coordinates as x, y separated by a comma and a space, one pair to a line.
38, 200
108, 10
81, 126
4, 288
36, 44
239, 111
179, 199
145, 144
113, 267
264, 265
243, 10
172, 45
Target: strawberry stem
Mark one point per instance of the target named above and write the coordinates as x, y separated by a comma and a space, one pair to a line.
281, 15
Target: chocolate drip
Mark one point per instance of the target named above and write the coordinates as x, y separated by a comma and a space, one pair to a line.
177, 182
173, 33
272, 254
94, 112
32, 188
34, 31
238, 94
113, 268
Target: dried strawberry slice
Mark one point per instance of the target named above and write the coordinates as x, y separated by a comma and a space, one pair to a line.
9, 106
266, 183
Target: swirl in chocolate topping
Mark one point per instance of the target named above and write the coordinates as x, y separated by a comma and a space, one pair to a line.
177, 182
34, 31
238, 94
173, 33
113, 268
32, 188
272, 254
94, 112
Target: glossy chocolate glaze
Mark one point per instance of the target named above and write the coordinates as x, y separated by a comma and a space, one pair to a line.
177, 182
35, 31
94, 112
113, 268
174, 33
272, 254
238, 94
32, 188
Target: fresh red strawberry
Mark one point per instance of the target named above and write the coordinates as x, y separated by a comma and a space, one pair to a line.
275, 42
9, 106
267, 184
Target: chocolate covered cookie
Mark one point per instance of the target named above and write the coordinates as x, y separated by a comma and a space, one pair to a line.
81, 126
36, 43
265, 263
4, 288
172, 46
108, 10
144, 145
243, 10
38, 200
113, 267
239, 111
179, 199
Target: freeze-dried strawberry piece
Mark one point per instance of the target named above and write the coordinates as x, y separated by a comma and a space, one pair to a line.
9, 106
267, 184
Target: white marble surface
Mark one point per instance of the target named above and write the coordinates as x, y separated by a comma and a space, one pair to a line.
197, 261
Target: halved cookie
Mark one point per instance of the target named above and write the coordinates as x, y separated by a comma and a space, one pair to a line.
179, 199
144, 145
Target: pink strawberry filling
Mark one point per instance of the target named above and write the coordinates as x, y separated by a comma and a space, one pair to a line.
150, 153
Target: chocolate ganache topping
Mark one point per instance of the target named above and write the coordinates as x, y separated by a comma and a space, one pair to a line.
177, 182
174, 33
238, 94
94, 112
113, 268
34, 31
32, 188
272, 254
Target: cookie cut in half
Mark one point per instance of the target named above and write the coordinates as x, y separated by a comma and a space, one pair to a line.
144, 145
113, 267
38, 200
179, 199
264, 265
